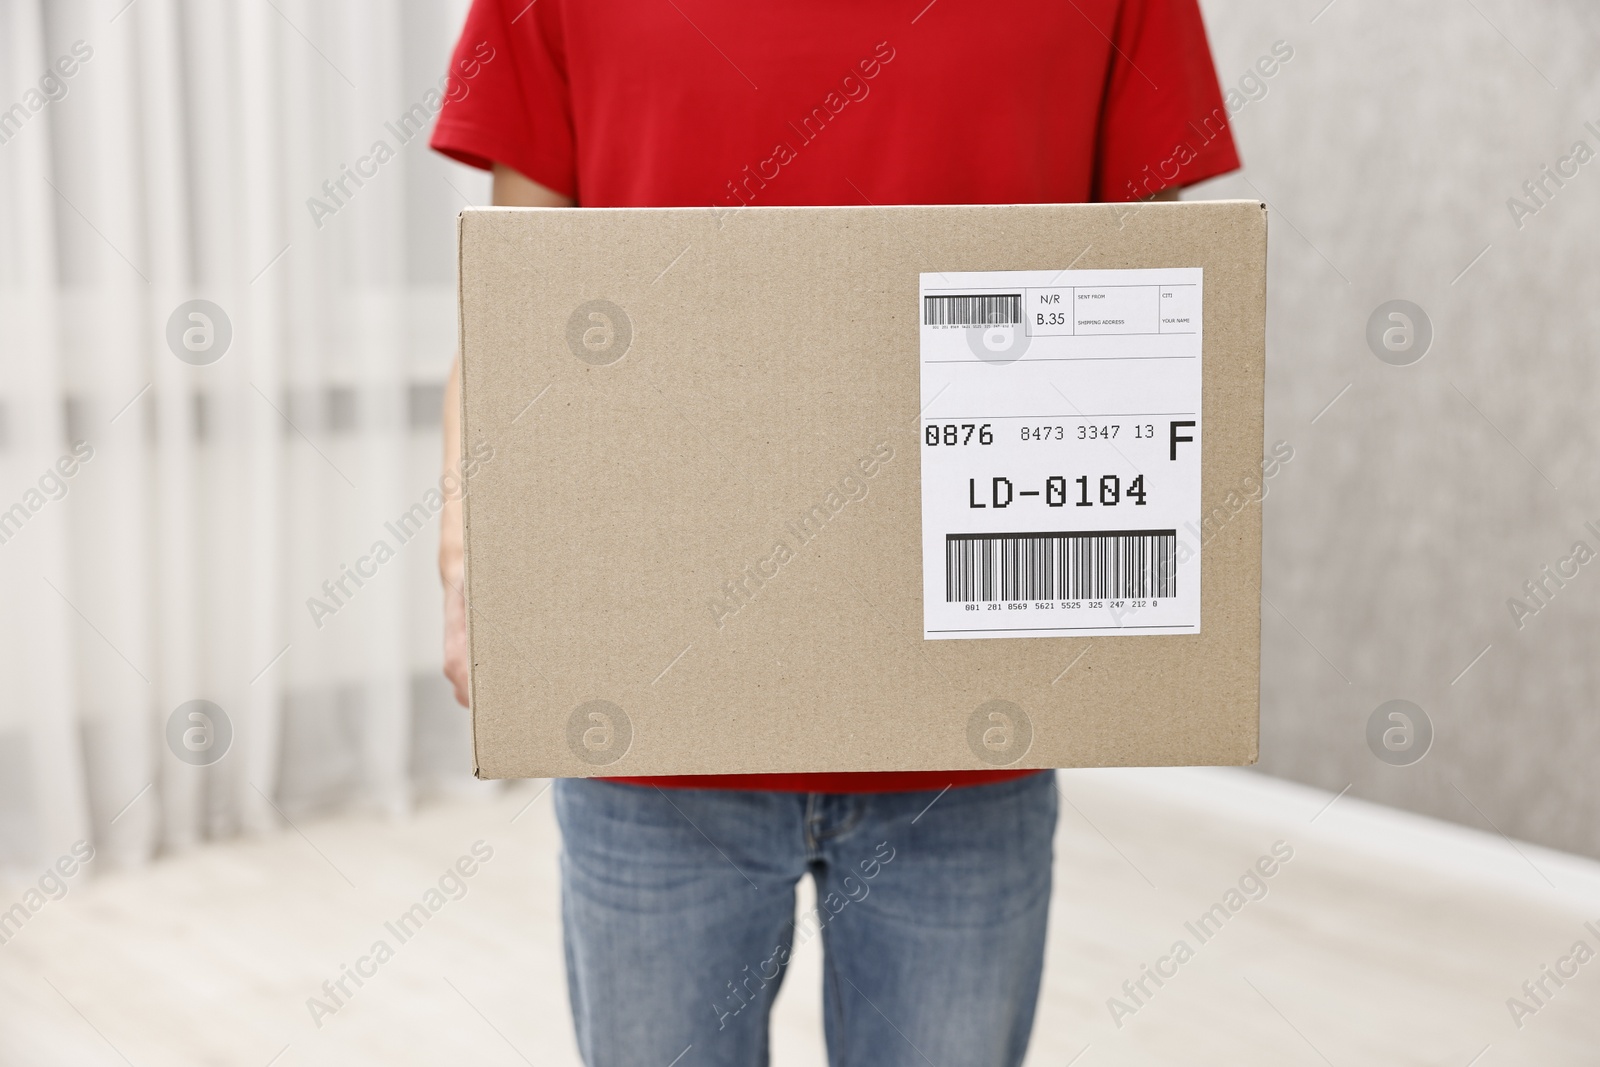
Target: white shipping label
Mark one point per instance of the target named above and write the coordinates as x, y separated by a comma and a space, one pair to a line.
1061, 453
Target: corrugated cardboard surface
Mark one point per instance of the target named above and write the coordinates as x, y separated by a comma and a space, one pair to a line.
768, 352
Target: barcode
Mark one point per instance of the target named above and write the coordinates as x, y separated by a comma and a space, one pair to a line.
1111, 565
1001, 310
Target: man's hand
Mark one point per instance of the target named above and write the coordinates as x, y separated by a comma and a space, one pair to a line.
451, 569
455, 633
510, 190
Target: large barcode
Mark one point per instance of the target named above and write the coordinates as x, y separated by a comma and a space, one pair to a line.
1000, 310
1110, 565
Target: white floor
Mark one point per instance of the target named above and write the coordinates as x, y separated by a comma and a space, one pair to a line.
1386, 939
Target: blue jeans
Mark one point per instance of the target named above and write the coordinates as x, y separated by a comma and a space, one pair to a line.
678, 912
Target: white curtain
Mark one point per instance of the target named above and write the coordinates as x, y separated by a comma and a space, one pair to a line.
165, 521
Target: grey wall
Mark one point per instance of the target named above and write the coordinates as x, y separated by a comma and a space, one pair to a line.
1421, 501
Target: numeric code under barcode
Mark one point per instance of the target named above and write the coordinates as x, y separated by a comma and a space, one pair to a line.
1108, 565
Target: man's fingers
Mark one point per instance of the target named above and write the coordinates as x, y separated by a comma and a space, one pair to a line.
455, 669
455, 638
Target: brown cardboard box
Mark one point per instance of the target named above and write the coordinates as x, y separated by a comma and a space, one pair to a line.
695, 530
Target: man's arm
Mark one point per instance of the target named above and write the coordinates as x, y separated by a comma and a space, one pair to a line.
510, 190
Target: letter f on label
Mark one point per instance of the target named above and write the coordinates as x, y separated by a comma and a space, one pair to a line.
1178, 438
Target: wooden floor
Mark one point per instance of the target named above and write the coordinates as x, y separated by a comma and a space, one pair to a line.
1386, 939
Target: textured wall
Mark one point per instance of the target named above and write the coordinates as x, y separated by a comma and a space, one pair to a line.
1420, 502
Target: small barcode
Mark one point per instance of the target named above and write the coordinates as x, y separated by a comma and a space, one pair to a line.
1113, 565
1001, 310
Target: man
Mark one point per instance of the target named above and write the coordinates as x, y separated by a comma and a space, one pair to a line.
933, 888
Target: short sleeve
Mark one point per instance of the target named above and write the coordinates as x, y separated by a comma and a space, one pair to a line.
1163, 122
508, 100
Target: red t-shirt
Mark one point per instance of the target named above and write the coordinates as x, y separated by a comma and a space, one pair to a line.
671, 103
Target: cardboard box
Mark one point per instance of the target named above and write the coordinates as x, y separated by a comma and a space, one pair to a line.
695, 533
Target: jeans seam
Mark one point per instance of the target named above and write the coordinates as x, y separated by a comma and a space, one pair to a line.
841, 1031
848, 825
